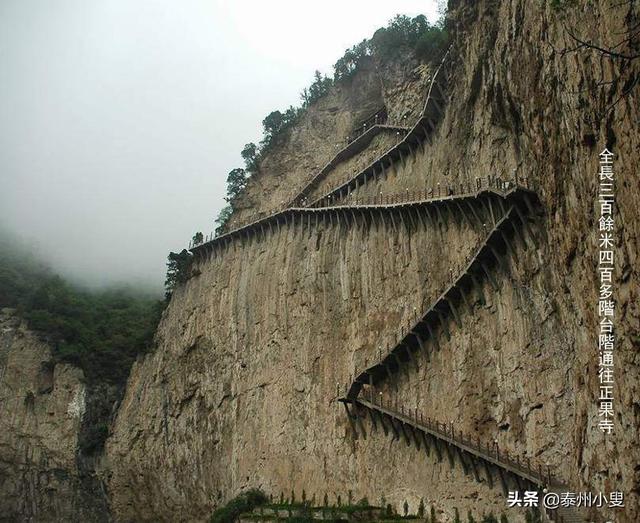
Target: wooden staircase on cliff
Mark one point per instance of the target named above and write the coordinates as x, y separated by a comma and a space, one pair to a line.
422, 336
485, 463
422, 131
352, 148
509, 207
477, 202
424, 332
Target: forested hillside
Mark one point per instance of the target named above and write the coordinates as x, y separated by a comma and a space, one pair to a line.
100, 331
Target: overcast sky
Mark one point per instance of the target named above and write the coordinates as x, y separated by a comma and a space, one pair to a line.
119, 119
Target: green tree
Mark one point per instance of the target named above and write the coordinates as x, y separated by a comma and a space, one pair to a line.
245, 502
405, 508
470, 518
178, 266
222, 219
347, 65
433, 514
250, 156
432, 43
272, 124
421, 509
318, 88
456, 515
197, 239
236, 181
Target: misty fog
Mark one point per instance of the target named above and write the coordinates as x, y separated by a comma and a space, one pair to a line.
120, 119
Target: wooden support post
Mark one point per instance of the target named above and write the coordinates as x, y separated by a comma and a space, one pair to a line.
464, 214
499, 258
425, 443
382, 423
518, 482
388, 369
443, 324
473, 211
415, 363
393, 221
373, 220
490, 277
404, 433
351, 422
463, 463
500, 202
421, 345
399, 362
373, 419
525, 226
440, 218
450, 206
402, 220
516, 233
429, 217
414, 436
474, 468
491, 215
487, 469
450, 456
396, 434
509, 246
419, 214
503, 481
454, 311
464, 298
357, 409
433, 337
413, 223
478, 285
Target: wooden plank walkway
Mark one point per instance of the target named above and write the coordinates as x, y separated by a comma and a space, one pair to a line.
484, 463
420, 428
422, 337
473, 206
352, 148
421, 131
428, 324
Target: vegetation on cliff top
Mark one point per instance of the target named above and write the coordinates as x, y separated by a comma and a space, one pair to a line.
403, 34
100, 331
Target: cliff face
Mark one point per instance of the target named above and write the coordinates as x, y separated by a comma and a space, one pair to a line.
41, 409
241, 391
325, 128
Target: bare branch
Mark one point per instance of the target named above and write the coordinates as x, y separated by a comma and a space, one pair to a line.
607, 52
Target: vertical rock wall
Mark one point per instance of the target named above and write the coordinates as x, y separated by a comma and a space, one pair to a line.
241, 390
41, 409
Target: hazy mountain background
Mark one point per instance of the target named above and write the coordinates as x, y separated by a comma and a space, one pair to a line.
120, 120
